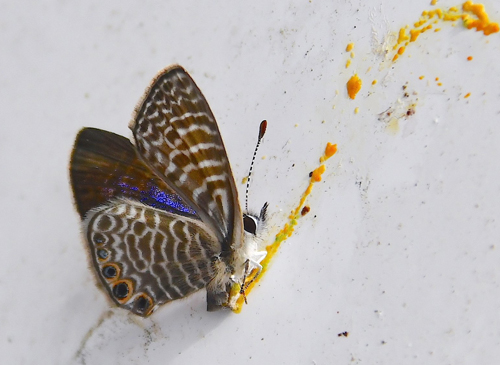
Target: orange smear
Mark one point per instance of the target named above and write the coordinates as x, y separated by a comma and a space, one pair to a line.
466, 95
353, 86
421, 77
469, 58
286, 232
349, 47
374, 82
348, 63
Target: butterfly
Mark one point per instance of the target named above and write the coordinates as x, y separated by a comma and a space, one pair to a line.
161, 216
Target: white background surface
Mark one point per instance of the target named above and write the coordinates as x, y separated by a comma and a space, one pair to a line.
399, 248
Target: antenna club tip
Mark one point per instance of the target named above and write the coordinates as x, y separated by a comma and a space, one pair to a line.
262, 129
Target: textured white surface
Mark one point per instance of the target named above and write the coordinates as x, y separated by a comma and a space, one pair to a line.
399, 247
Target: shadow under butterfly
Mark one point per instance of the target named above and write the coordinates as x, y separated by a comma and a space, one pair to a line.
162, 217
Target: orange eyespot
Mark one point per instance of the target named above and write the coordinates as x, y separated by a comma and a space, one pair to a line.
102, 254
111, 272
143, 304
123, 290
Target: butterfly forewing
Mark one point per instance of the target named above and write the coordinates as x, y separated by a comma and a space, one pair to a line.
105, 165
146, 257
177, 135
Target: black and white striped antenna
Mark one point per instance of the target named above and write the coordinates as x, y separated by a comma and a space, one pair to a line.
262, 131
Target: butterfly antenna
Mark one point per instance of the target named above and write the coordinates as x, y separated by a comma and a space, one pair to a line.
262, 131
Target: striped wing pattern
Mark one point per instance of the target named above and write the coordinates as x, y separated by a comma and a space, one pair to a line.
146, 257
161, 218
177, 135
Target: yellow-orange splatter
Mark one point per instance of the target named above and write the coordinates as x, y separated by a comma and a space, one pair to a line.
282, 235
421, 77
356, 110
466, 95
472, 16
348, 63
469, 58
374, 82
349, 47
353, 86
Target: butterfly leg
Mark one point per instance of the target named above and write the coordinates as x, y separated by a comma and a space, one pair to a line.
243, 286
256, 265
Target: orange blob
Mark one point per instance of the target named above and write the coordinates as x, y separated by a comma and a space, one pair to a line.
353, 86
402, 37
330, 150
469, 58
466, 95
349, 47
414, 34
316, 176
482, 23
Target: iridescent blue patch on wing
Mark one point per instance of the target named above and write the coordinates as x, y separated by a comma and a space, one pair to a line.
169, 200
156, 198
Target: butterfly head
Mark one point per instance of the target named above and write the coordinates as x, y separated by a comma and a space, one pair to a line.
248, 258
253, 224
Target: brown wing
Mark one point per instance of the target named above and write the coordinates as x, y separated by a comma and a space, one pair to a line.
105, 165
145, 257
177, 135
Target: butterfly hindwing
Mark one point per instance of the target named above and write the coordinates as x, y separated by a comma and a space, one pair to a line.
145, 257
177, 135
